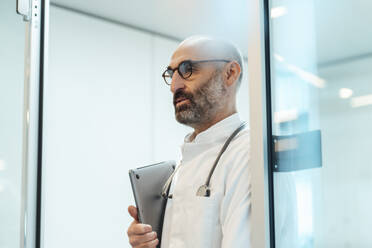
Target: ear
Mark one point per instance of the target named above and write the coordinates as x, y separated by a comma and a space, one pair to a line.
232, 72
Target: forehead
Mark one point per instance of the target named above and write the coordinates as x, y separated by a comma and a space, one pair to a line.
187, 52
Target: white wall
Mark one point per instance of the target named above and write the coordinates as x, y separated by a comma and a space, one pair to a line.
106, 110
97, 126
12, 43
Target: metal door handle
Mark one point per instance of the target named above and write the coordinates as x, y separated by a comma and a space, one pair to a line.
24, 9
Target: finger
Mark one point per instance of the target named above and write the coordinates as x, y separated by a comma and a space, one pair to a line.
150, 244
138, 229
136, 240
130, 228
133, 212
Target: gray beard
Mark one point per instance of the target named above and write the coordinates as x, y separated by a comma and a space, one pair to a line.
206, 103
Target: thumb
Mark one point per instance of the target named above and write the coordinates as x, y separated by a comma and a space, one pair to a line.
132, 210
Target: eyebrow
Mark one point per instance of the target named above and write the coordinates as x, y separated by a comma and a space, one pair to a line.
169, 67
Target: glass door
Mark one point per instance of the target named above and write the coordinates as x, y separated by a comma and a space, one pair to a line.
321, 99
21, 74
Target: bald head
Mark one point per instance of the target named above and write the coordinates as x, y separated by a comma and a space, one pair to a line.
209, 47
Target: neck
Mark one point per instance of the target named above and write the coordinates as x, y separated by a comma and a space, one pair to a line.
204, 126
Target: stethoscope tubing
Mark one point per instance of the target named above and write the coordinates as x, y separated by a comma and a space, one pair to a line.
227, 143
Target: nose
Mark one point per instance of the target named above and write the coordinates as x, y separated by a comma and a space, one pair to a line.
177, 82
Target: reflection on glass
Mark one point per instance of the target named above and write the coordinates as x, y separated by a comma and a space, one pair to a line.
322, 114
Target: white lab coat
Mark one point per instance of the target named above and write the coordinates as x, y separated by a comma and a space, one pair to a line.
223, 219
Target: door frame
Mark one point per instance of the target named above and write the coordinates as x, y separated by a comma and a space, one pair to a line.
36, 42
262, 218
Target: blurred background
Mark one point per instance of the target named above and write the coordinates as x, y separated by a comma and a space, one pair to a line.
321, 79
107, 110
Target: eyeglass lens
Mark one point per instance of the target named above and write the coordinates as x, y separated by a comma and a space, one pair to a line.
184, 69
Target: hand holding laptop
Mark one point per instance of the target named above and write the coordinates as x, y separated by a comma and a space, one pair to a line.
140, 235
148, 185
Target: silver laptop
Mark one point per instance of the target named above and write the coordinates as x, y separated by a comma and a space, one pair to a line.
147, 185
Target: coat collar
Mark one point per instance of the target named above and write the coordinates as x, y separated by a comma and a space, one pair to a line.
215, 135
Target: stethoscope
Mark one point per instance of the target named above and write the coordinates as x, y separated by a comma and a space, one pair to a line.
204, 190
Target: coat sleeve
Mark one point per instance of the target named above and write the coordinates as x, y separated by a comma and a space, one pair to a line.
235, 212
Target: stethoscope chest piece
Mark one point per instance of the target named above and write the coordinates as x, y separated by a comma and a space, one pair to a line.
203, 191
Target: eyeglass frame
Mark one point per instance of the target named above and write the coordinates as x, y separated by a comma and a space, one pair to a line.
191, 62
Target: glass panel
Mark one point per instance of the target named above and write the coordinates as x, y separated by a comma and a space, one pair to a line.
12, 42
322, 113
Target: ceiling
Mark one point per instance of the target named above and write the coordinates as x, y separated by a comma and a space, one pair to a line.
178, 19
342, 27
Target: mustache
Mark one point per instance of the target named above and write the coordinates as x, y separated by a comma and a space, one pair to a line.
182, 94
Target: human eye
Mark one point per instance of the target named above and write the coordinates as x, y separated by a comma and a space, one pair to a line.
185, 69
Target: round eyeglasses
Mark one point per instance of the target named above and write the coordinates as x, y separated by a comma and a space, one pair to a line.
185, 69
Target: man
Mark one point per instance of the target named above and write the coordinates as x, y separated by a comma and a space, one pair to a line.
204, 75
